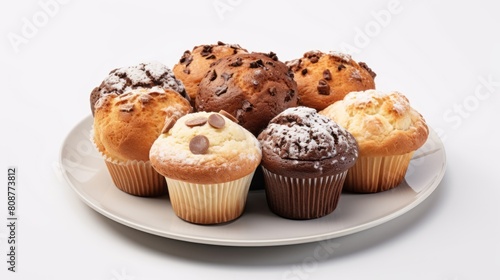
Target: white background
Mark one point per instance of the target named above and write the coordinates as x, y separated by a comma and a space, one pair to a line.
443, 56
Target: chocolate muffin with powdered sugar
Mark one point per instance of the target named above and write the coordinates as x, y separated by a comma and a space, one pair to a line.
305, 158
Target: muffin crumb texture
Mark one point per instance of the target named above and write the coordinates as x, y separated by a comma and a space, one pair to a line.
152, 76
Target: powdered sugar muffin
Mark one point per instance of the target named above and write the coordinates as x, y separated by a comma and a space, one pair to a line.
305, 158
129, 115
208, 161
388, 131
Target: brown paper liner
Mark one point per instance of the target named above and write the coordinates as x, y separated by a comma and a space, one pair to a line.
137, 178
377, 174
303, 198
209, 203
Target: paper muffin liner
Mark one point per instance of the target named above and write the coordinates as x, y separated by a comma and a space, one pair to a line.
134, 177
137, 178
377, 174
303, 198
209, 203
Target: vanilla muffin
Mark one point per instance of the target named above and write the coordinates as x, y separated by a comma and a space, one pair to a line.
193, 65
388, 131
324, 78
305, 158
151, 75
208, 161
125, 126
252, 87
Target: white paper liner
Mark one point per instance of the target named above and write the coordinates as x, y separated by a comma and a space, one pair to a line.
303, 198
209, 203
377, 174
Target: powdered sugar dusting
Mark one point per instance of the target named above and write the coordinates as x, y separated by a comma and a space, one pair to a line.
362, 99
301, 133
343, 56
143, 75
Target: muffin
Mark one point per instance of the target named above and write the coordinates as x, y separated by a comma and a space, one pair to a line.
305, 158
252, 87
388, 131
193, 65
324, 78
152, 75
208, 161
126, 125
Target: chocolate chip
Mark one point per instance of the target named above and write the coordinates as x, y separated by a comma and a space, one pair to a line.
126, 108
199, 145
186, 58
213, 75
340, 67
304, 71
229, 116
256, 64
289, 95
365, 66
323, 87
216, 121
272, 55
169, 123
327, 75
187, 71
314, 59
239, 114
237, 63
220, 90
246, 105
212, 56
207, 50
199, 121
219, 43
272, 91
226, 76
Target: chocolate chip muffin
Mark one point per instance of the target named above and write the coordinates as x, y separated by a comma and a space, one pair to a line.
305, 158
194, 64
152, 75
252, 87
324, 78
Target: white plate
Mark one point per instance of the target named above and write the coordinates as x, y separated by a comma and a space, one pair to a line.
86, 173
